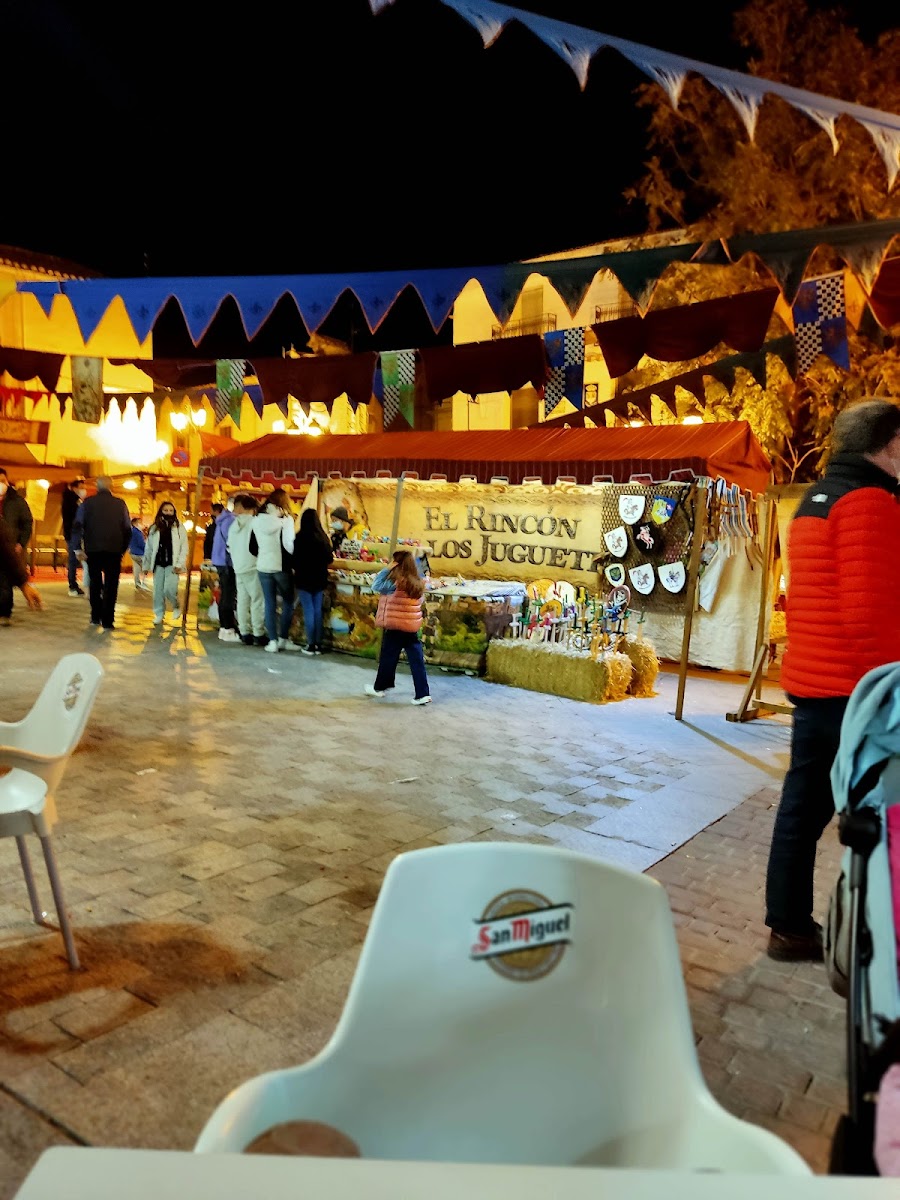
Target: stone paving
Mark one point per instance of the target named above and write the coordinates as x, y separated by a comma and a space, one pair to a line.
225, 826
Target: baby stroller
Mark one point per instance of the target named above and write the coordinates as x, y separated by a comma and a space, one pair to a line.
862, 924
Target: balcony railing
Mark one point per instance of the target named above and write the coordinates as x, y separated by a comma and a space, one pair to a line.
545, 323
612, 312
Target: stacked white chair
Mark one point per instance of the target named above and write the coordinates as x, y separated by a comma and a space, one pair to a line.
38, 749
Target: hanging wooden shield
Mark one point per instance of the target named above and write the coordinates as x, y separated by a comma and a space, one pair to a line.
631, 508
647, 538
643, 578
617, 541
672, 576
615, 574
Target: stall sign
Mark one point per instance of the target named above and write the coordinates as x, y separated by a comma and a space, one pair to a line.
14, 430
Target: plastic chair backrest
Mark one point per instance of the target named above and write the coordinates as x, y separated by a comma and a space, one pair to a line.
56, 721
525, 990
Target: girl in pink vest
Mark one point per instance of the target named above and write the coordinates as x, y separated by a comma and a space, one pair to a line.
399, 615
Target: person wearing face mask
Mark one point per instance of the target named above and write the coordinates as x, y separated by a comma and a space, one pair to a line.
843, 578
71, 498
165, 556
102, 532
15, 515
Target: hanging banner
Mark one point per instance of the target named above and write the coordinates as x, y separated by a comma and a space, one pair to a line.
35, 432
87, 388
820, 322
398, 385
230, 374
565, 379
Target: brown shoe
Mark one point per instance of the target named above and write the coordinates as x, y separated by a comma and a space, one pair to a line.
796, 947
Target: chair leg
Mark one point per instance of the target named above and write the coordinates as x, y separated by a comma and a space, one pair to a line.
59, 901
25, 859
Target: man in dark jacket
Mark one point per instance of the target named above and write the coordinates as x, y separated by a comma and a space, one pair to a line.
71, 498
14, 573
843, 580
15, 516
103, 531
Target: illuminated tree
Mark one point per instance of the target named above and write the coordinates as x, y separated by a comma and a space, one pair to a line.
705, 176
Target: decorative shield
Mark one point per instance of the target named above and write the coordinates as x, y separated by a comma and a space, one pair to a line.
615, 574
672, 576
647, 538
643, 578
617, 541
631, 508
562, 590
662, 508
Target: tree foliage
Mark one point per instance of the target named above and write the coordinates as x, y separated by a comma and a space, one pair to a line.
705, 176
703, 173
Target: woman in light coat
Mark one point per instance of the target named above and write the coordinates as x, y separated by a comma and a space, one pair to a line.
165, 556
273, 530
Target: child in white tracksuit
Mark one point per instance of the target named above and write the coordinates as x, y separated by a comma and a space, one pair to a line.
251, 608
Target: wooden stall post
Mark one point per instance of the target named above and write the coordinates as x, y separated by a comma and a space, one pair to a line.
698, 537
395, 527
752, 704
198, 493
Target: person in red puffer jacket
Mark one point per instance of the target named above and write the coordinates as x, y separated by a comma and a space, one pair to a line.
843, 619
400, 617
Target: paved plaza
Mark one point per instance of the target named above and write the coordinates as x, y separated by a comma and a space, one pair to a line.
225, 826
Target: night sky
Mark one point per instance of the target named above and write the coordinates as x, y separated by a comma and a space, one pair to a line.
270, 138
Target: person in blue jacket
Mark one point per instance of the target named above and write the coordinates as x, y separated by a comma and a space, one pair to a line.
136, 548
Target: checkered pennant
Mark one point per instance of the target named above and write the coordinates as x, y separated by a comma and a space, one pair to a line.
398, 385
565, 380
820, 322
230, 374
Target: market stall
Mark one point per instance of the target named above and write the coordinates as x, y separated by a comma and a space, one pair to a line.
526, 532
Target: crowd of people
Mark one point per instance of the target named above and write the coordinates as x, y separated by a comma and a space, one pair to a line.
268, 562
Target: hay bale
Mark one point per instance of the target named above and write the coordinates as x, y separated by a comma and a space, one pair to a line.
558, 671
645, 664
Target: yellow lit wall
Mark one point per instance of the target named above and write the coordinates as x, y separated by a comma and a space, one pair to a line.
473, 321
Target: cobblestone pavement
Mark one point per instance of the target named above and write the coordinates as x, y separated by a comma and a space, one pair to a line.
225, 826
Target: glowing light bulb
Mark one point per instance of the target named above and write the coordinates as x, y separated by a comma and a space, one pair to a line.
178, 420
198, 416
130, 485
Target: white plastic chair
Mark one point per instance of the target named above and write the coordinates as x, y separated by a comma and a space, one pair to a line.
38, 748
587, 1058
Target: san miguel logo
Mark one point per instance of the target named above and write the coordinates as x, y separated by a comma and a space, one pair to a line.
522, 935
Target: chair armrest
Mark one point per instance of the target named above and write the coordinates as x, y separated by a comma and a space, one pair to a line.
12, 756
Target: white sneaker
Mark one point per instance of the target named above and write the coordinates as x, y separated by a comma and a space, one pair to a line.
421, 700
176, 614
370, 691
273, 646
229, 635
287, 644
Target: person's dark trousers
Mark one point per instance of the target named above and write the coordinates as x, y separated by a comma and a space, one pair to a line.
73, 570
6, 596
806, 807
393, 642
104, 569
227, 597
